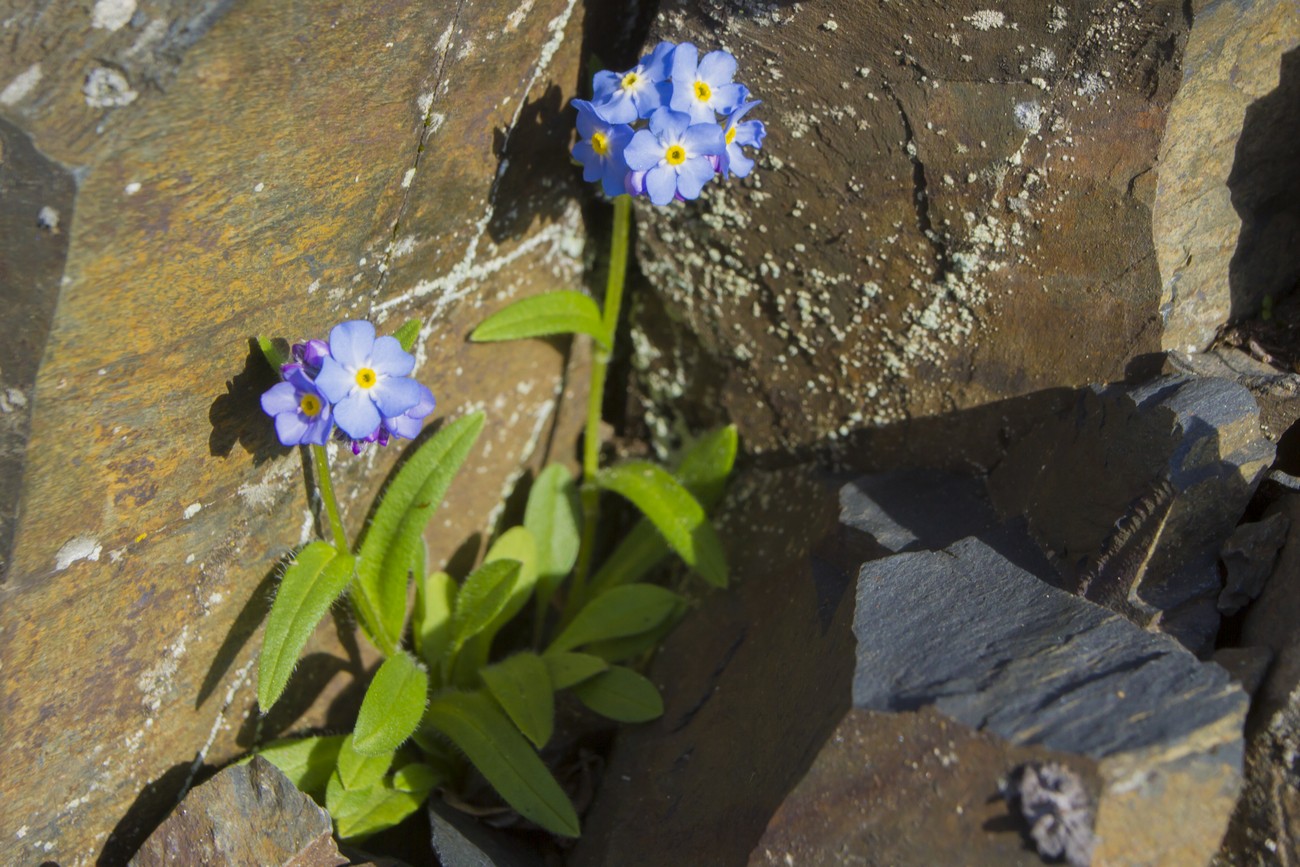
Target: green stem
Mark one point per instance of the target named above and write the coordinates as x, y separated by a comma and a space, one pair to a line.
326, 488
618, 248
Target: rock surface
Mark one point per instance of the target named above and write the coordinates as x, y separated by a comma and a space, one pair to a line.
1226, 218
241, 169
953, 206
460, 841
248, 815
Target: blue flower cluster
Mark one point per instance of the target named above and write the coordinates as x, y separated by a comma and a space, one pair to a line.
356, 381
694, 125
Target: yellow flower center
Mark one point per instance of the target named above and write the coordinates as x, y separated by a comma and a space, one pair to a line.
599, 143
731, 135
366, 377
676, 155
310, 405
702, 91
629, 81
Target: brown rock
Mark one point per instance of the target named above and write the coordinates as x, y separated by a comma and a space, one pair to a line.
249, 815
1225, 217
242, 169
949, 209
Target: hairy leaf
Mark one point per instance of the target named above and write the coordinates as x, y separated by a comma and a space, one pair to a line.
562, 312
408, 334
618, 612
307, 762
317, 576
358, 813
553, 516
483, 596
472, 722
522, 686
358, 770
622, 695
393, 706
416, 777
676, 514
434, 603
567, 668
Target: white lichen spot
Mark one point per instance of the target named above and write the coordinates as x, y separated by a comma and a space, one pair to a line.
1044, 60
1058, 20
986, 19
107, 88
407, 178
1090, 84
156, 682
259, 187
23, 83
830, 25
77, 548
131, 189
111, 15
514, 19
1029, 116
48, 218
192, 510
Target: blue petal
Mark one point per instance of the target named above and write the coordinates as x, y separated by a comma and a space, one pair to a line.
334, 381
318, 429
617, 108
404, 426
356, 415
604, 85
692, 175
669, 125
591, 161
634, 184
737, 163
587, 119
700, 112
388, 358
614, 180
685, 59
281, 397
394, 395
658, 63
704, 138
290, 428
726, 97
683, 95
661, 184
750, 133
717, 68
644, 151
350, 342
647, 99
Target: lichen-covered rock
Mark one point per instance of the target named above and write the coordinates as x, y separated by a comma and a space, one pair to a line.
953, 205
1227, 206
241, 169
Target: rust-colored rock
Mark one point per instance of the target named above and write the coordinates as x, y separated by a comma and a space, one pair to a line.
952, 206
243, 169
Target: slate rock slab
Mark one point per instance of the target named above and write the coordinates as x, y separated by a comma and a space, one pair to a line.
248, 815
459, 840
988, 644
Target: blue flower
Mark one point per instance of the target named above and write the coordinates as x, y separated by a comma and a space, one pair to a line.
365, 378
702, 87
601, 149
750, 134
625, 97
408, 424
674, 154
302, 414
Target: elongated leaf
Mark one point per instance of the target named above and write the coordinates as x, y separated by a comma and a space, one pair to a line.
676, 514
703, 471
395, 531
309, 587
618, 612
563, 312
553, 517
307, 762
514, 544
472, 722
272, 352
522, 686
358, 770
434, 603
416, 777
393, 706
632, 646
361, 812
483, 596
408, 334
566, 668
622, 695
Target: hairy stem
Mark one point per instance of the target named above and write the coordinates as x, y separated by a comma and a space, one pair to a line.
326, 488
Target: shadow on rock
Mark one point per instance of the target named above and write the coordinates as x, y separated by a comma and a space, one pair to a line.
148, 811
534, 159
237, 416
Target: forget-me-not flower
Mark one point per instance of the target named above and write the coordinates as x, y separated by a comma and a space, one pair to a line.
702, 86
600, 149
365, 378
735, 133
625, 97
674, 154
302, 414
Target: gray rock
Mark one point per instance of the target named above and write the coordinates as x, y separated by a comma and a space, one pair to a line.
248, 815
461, 841
1265, 830
1226, 219
1248, 557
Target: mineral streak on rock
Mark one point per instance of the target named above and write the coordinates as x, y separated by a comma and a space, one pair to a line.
253, 185
952, 206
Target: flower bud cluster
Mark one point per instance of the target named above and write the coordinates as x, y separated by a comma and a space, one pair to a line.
666, 127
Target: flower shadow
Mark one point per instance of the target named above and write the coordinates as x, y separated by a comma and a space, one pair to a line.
236, 416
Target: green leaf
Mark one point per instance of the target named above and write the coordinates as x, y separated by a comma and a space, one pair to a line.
566, 668
393, 706
482, 597
563, 312
307, 762
522, 686
676, 514
408, 333
514, 544
361, 812
703, 471
416, 777
632, 646
622, 695
434, 602
552, 515
272, 352
358, 770
309, 587
618, 612
404, 508
472, 722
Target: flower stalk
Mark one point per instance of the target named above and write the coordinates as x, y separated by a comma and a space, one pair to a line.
321, 462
